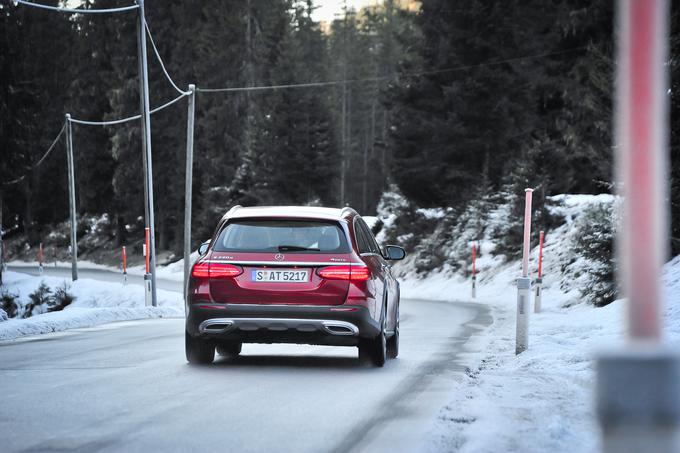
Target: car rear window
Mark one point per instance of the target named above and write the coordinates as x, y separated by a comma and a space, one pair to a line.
289, 236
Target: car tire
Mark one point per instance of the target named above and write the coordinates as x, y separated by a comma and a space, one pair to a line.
229, 348
375, 350
393, 341
198, 351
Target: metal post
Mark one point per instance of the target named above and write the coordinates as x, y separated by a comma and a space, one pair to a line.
148, 293
188, 186
72, 198
40, 257
524, 283
638, 386
146, 146
539, 279
124, 259
474, 270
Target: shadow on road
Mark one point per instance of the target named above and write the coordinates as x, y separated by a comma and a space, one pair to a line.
289, 361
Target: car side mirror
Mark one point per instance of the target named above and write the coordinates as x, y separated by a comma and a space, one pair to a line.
203, 248
395, 253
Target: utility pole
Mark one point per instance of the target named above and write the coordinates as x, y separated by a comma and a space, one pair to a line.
72, 198
343, 152
638, 386
149, 277
187, 186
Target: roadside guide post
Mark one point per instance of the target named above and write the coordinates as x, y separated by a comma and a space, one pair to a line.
148, 291
40, 258
124, 259
524, 283
539, 280
638, 385
474, 270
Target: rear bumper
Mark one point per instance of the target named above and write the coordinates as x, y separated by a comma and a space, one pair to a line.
325, 325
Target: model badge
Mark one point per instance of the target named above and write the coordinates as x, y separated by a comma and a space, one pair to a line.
279, 257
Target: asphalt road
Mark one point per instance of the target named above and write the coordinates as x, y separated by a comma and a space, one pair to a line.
127, 387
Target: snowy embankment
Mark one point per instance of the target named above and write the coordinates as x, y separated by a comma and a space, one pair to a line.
543, 399
96, 302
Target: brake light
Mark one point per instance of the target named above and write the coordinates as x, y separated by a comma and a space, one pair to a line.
360, 273
356, 273
216, 270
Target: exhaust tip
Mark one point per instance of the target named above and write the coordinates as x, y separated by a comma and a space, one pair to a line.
215, 326
340, 328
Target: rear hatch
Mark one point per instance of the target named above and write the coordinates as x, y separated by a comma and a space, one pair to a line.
279, 261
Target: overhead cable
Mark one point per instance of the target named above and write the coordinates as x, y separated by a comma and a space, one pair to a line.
160, 60
125, 120
387, 77
41, 160
76, 10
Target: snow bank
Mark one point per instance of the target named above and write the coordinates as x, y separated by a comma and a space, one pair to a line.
543, 399
96, 302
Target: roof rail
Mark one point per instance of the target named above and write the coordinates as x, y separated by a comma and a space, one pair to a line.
349, 210
233, 208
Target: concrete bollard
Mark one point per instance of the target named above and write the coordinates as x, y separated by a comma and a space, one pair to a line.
524, 283
638, 385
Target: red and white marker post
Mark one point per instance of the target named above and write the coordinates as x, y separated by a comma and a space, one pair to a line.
524, 282
124, 260
148, 293
41, 257
638, 386
474, 270
539, 279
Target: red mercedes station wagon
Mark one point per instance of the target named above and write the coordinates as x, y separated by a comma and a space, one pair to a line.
293, 275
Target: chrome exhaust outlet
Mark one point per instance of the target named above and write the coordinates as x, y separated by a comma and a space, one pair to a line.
340, 328
215, 325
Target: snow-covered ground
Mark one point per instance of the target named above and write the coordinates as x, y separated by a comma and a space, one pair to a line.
543, 399
96, 302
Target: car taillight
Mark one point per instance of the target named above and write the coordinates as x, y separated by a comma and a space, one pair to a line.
216, 270
357, 273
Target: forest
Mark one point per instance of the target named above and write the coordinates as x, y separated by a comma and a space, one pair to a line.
450, 102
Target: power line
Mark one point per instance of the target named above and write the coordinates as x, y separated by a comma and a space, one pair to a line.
388, 77
160, 60
130, 118
42, 159
76, 10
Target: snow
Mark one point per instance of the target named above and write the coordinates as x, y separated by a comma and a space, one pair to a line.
96, 302
173, 271
543, 399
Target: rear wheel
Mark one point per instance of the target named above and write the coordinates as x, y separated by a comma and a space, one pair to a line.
393, 342
229, 348
198, 350
375, 350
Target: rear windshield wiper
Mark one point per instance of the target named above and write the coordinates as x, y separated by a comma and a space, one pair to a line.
296, 248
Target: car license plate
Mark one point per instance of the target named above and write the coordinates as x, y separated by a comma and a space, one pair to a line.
279, 276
